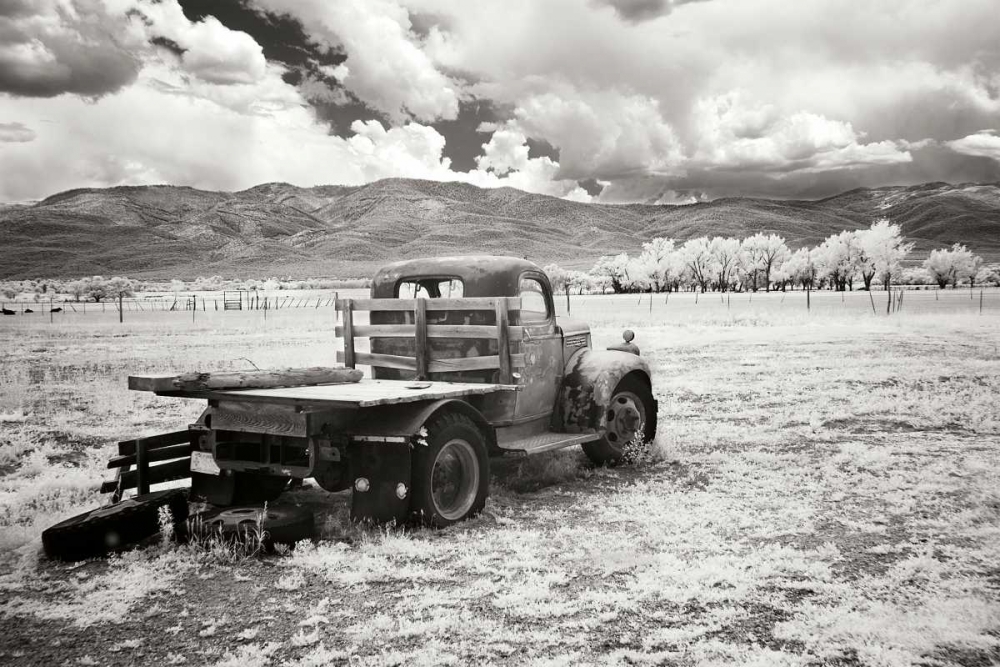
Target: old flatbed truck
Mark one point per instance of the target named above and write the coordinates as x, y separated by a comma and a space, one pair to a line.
468, 362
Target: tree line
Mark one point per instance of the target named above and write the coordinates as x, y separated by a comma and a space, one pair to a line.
860, 258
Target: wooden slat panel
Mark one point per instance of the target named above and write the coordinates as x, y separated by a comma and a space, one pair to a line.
165, 472
127, 447
349, 358
161, 454
480, 303
503, 345
433, 331
423, 351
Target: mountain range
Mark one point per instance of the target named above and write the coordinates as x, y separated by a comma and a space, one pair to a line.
277, 229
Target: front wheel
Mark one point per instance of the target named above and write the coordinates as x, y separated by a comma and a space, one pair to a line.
451, 473
631, 407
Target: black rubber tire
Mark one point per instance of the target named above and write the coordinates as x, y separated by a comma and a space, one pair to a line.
113, 527
253, 489
281, 525
603, 452
442, 430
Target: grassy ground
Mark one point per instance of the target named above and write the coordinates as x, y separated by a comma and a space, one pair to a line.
827, 492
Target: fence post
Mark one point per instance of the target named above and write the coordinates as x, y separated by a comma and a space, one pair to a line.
567, 299
121, 311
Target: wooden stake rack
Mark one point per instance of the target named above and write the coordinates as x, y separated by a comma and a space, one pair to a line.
173, 448
425, 362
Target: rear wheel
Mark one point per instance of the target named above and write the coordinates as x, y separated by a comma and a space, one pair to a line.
631, 407
451, 474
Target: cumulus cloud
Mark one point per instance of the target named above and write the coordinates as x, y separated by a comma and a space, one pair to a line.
16, 133
207, 49
386, 67
659, 100
735, 134
52, 47
981, 144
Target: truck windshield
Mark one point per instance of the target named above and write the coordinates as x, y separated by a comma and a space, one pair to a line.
430, 288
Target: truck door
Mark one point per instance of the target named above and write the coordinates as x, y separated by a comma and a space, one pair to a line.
543, 352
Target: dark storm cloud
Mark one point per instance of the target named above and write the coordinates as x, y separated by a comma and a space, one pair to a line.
591, 186
74, 52
464, 137
643, 10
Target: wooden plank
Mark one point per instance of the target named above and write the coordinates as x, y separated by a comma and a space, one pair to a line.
165, 472
349, 358
472, 303
258, 379
127, 447
503, 345
384, 361
161, 454
433, 331
142, 468
422, 348
454, 365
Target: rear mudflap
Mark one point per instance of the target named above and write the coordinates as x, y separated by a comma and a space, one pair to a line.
380, 474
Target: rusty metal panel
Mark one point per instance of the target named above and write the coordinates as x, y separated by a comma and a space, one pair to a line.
589, 381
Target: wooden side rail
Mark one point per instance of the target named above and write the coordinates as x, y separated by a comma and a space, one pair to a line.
424, 362
143, 451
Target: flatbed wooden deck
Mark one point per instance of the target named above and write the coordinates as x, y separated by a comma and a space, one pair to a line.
363, 394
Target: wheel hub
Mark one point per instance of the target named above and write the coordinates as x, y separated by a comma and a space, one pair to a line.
454, 479
625, 418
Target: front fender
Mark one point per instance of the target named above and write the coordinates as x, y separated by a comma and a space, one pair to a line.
589, 381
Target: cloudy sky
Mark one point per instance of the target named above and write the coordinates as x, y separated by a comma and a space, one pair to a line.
598, 100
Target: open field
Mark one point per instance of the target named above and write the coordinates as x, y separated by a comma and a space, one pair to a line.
826, 491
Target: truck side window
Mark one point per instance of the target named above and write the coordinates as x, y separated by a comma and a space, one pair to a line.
430, 288
534, 307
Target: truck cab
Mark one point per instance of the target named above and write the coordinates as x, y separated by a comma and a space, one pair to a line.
547, 342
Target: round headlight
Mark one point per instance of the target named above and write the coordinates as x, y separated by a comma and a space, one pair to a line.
361, 484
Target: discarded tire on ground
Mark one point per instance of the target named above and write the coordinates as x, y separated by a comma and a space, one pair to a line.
275, 525
451, 474
113, 527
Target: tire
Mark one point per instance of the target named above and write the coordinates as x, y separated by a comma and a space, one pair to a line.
252, 488
280, 525
113, 527
451, 475
631, 403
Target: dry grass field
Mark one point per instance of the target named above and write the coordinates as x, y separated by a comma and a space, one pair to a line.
826, 490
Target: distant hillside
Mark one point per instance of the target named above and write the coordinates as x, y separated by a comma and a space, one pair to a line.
278, 229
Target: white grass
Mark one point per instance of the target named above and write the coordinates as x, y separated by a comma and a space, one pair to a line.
824, 490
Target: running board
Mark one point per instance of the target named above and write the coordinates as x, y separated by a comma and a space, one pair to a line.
547, 442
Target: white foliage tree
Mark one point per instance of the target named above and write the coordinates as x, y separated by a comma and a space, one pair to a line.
725, 257
765, 253
699, 261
